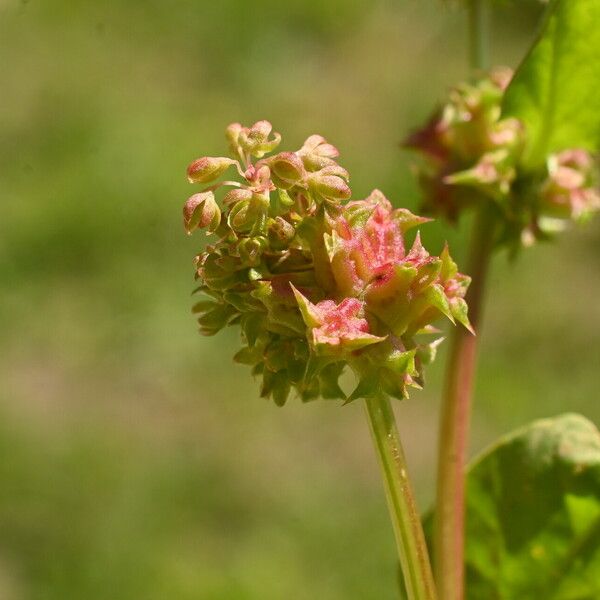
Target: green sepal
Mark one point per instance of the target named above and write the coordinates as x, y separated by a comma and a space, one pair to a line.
402, 363
460, 311
436, 297
407, 220
247, 356
214, 319
253, 325
368, 387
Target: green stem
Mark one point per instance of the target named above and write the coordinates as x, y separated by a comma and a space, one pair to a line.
412, 549
479, 23
449, 525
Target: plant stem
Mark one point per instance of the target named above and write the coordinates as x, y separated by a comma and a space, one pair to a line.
449, 524
479, 23
412, 549
455, 418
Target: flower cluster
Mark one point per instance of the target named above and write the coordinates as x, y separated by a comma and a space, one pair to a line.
471, 153
315, 282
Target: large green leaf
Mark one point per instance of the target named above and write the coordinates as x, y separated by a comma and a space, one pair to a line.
533, 515
555, 91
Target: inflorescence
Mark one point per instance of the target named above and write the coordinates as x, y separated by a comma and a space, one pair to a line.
472, 153
316, 282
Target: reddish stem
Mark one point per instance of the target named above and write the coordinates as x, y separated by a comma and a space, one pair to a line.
455, 423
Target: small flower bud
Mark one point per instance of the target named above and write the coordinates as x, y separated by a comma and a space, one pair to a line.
287, 169
255, 140
329, 186
280, 233
201, 210
249, 215
208, 168
571, 190
318, 145
236, 195
250, 250
494, 174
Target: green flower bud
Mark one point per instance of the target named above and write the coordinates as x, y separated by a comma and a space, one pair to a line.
286, 169
249, 216
250, 250
280, 233
331, 187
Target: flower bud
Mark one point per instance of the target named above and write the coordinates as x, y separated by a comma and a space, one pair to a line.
280, 233
250, 250
318, 145
255, 140
493, 173
249, 215
235, 195
316, 153
208, 168
286, 169
571, 189
330, 187
201, 210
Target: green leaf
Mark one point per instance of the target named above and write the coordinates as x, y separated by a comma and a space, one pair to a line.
555, 90
533, 514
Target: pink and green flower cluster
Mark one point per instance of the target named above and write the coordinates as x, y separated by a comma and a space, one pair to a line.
471, 153
316, 282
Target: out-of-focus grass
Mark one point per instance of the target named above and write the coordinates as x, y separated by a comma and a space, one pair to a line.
136, 461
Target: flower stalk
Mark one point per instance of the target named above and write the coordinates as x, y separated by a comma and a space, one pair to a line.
410, 540
455, 417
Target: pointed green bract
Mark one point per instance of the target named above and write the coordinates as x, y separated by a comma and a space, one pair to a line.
555, 90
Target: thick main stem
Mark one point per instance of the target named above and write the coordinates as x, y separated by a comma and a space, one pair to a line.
455, 419
412, 549
449, 525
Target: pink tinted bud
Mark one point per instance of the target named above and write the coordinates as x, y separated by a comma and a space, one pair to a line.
201, 210
501, 77
318, 145
208, 168
261, 130
571, 190
430, 139
575, 158
255, 139
507, 132
232, 133
236, 195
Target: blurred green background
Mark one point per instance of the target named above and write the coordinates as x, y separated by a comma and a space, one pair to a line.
136, 461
